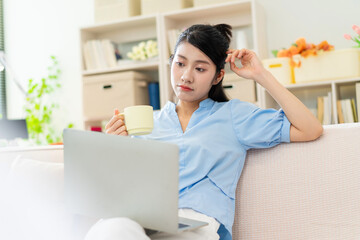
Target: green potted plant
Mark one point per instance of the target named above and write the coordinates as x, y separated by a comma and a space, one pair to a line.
40, 105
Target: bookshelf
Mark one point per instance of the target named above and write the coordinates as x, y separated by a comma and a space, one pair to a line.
242, 15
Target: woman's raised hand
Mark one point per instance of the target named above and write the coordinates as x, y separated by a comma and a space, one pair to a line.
251, 68
116, 125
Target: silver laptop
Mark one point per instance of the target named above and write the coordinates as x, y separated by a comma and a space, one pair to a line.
114, 176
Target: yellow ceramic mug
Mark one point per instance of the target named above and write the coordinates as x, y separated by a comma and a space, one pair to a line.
139, 119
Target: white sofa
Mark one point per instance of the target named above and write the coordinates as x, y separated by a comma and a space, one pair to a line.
292, 191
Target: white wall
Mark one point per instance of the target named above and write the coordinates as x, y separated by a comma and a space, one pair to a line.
39, 28
315, 20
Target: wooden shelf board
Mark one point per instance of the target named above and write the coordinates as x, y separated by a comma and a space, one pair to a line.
131, 22
125, 67
321, 83
215, 10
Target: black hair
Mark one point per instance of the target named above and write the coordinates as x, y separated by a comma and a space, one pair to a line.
214, 41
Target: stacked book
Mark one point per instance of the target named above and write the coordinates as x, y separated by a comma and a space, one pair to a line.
348, 109
324, 109
99, 54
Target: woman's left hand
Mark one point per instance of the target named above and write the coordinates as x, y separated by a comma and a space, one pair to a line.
251, 68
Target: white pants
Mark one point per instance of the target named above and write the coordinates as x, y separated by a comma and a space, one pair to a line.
124, 228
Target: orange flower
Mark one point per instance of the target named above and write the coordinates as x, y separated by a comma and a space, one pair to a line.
284, 53
304, 49
293, 50
324, 45
301, 44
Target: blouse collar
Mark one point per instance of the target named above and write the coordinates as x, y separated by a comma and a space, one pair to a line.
206, 103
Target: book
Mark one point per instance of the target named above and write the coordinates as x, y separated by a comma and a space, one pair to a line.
100, 55
347, 110
89, 62
109, 52
94, 53
327, 110
357, 90
95, 128
331, 117
339, 111
154, 97
353, 108
320, 109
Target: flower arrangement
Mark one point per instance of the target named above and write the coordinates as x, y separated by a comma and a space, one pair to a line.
304, 49
144, 50
356, 38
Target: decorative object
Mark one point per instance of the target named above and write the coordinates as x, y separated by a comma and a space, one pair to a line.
144, 51
160, 6
356, 38
325, 65
106, 11
299, 51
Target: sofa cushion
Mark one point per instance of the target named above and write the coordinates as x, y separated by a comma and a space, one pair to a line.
308, 190
33, 203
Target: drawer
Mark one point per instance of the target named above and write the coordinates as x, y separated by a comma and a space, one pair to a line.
103, 93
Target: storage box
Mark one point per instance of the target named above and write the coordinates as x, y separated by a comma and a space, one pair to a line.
110, 10
102, 93
240, 88
338, 64
155, 6
198, 3
280, 68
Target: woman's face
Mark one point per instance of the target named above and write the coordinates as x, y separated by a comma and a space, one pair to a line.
192, 73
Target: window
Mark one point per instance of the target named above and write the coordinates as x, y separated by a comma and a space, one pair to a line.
2, 74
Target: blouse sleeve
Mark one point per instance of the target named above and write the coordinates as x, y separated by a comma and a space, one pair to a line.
259, 128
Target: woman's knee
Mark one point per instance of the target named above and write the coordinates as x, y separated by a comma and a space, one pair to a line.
116, 228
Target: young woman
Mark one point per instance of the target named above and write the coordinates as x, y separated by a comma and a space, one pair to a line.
214, 133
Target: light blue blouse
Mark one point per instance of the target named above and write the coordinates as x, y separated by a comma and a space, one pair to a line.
213, 150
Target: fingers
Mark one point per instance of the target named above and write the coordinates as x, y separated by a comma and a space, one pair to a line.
111, 122
234, 54
115, 126
114, 118
121, 131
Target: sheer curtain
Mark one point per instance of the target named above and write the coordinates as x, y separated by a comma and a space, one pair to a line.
2, 74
